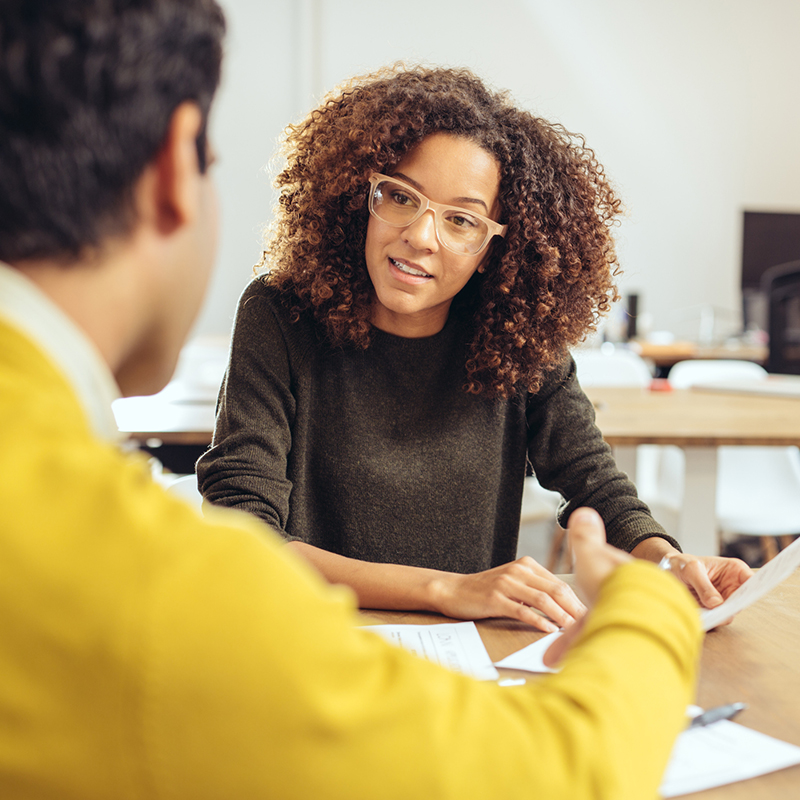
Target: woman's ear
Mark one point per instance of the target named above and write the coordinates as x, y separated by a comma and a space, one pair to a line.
486, 256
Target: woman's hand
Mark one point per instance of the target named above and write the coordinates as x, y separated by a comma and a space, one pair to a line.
522, 589
711, 579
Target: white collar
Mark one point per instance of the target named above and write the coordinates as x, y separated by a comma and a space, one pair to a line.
25, 306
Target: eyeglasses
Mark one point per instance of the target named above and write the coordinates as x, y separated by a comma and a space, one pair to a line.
397, 204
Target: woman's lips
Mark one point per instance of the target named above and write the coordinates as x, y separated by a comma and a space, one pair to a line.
409, 272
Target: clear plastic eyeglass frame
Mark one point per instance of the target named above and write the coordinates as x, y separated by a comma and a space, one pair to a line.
468, 249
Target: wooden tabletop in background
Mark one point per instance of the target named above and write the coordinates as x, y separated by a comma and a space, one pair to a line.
694, 418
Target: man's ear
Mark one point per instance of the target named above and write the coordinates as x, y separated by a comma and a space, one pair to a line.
170, 182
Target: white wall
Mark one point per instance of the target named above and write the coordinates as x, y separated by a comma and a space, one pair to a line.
691, 105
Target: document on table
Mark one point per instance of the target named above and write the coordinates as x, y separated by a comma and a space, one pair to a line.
455, 645
722, 753
764, 580
531, 658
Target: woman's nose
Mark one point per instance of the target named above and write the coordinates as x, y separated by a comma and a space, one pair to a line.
421, 233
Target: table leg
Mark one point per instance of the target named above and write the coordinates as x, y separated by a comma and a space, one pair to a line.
697, 527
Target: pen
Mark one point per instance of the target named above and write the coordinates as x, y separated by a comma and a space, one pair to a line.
716, 714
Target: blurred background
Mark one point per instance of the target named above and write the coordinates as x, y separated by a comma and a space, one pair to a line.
691, 105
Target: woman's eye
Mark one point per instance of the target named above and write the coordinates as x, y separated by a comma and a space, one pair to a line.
462, 221
402, 199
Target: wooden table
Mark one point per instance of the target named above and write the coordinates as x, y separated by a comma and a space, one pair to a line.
665, 356
756, 660
699, 422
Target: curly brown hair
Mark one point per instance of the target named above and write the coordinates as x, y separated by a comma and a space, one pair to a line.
545, 285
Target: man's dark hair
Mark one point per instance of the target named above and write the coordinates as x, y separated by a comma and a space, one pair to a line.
87, 89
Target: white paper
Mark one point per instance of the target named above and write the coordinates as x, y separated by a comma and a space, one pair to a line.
455, 645
764, 580
530, 658
722, 753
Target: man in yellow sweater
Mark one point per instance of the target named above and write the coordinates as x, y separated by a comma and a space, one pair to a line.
148, 652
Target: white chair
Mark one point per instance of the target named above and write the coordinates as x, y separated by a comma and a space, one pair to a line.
185, 487
686, 374
539, 508
616, 366
604, 366
202, 363
611, 366
758, 488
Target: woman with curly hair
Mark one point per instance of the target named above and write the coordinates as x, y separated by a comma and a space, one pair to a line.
403, 360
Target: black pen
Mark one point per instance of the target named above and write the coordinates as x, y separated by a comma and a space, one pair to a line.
716, 714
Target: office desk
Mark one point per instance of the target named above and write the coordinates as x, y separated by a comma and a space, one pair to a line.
698, 422
756, 660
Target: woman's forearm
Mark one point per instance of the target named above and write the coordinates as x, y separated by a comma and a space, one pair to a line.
653, 549
386, 586
521, 589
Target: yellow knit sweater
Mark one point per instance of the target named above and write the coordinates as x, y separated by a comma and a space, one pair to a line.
145, 652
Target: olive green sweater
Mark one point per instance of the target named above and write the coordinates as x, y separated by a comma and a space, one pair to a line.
380, 455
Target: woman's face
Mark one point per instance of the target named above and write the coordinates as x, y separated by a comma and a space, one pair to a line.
414, 277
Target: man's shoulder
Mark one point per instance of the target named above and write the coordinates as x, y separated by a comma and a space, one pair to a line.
35, 396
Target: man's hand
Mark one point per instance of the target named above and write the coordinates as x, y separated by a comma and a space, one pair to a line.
594, 562
594, 559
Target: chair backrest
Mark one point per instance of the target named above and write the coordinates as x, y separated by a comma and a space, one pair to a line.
756, 486
688, 373
201, 367
781, 286
186, 488
610, 367
615, 366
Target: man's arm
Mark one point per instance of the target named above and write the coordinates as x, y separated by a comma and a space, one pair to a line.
259, 683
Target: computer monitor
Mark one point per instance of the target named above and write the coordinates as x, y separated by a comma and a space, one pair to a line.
769, 238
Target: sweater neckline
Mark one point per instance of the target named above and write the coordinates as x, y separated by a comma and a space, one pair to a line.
392, 340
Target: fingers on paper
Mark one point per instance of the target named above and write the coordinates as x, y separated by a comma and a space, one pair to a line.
728, 574
693, 572
536, 588
558, 649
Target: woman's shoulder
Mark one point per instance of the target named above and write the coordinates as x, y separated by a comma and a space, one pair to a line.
262, 293
558, 378
264, 304
267, 313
